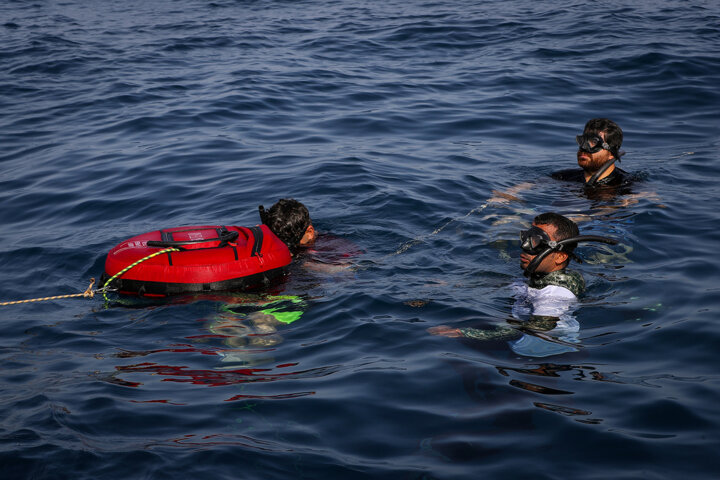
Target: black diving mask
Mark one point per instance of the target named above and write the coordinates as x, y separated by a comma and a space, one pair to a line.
591, 143
536, 241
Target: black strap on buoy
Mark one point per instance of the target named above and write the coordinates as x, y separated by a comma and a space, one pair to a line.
258, 241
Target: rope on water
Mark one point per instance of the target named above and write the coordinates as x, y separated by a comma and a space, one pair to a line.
407, 245
90, 292
160, 252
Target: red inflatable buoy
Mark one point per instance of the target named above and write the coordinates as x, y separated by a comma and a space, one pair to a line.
211, 258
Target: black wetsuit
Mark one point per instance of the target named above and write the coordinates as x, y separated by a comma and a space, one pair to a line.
617, 178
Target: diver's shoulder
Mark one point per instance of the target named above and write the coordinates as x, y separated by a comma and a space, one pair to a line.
569, 175
568, 279
617, 177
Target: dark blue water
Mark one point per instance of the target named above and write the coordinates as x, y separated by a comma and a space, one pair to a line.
389, 120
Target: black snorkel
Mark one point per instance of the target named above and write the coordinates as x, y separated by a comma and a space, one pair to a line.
593, 180
288, 232
592, 143
554, 246
263, 214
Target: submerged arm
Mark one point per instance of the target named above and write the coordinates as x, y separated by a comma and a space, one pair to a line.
510, 194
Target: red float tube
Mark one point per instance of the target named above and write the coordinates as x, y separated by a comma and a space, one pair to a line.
211, 258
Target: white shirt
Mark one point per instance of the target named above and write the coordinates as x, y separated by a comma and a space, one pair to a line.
550, 301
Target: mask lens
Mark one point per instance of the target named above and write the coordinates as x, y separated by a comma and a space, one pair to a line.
534, 241
590, 143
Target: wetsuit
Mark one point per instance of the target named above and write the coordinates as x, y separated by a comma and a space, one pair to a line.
565, 279
617, 177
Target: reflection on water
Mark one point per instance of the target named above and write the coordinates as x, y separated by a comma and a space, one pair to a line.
545, 379
243, 335
383, 121
250, 334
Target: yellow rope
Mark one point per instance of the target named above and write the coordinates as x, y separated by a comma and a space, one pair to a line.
104, 289
89, 292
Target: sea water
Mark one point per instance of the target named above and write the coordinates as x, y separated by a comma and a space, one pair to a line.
393, 122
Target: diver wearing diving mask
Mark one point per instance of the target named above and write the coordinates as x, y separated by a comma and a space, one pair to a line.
547, 299
548, 246
597, 156
598, 151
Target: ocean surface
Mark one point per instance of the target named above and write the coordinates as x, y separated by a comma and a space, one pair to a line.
393, 122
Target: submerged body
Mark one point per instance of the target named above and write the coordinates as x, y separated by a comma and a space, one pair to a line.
543, 316
542, 323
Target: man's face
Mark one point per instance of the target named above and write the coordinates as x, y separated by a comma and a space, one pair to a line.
591, 162
550, 263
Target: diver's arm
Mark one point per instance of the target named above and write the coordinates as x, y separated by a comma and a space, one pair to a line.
649, 195
445, 331
326, 268
500, 332
538, 323
510, 195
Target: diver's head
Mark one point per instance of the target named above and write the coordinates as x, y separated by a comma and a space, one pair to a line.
547, 229
290, 221
549, 244
599, 144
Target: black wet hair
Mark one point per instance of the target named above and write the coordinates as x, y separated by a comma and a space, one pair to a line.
613, 133
288, 219
564, 228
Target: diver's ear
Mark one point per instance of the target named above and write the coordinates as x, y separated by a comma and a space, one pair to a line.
561, 257
309, 236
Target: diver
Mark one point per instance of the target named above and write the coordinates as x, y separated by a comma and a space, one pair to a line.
290, 221
598, 150
548, 297
250, 326
597, 155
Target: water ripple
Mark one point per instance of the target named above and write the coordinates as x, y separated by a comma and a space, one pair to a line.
394, 122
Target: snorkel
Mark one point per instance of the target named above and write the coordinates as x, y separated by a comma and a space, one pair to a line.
535, 238
289, 222
263, 214
593, 180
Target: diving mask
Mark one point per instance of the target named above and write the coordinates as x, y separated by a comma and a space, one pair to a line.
591, 143
535, 240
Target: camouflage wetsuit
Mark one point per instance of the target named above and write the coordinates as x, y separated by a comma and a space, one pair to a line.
568, 279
